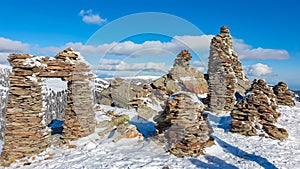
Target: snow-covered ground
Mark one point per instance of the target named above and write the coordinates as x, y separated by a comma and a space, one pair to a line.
231, 150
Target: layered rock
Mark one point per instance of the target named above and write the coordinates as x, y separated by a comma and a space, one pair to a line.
256, 113
225, 73
26, 131
183, 126
284, 95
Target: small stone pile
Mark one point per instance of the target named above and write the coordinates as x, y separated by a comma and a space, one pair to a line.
183, 127
26, 132
225, 73
261, 85
256, 113
284, 95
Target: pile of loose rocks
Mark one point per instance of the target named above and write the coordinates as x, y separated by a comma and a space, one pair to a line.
183, 127
284, 95
256, 113
225, 73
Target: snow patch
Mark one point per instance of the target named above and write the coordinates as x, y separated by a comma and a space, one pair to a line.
35, 61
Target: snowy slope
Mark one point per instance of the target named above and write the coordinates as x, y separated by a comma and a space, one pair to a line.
231, 150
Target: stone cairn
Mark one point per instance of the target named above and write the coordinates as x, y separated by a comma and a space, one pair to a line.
26, 133
284, 95
225, 73
256, 113
183, 127
182, 77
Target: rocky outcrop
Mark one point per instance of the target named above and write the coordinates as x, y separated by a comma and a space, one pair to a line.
117, 127
256, 113
225, 72
26, 130
284, 95
183, 126
118, 94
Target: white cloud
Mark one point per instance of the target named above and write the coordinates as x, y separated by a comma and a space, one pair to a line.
9, 46
48, 50
131, 49
90, 18
109, 62
149, 66
257, 70
198, 63
247, 52
198, 43
157, 48
118, 65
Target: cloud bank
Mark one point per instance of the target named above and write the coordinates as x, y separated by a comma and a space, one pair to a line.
8, 46
247, 52
118, 65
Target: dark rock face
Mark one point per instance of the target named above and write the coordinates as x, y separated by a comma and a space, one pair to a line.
225, 73
256, 113
183, 127
284, 95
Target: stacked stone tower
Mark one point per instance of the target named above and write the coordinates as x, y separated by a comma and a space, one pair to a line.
225, 72
26, 132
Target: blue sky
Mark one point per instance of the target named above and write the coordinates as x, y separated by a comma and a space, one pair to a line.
266, 33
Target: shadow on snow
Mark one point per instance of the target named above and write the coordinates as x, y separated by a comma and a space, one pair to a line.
243, 154
214, 163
